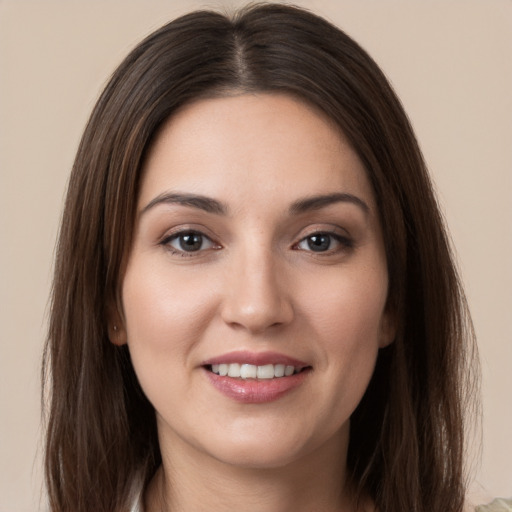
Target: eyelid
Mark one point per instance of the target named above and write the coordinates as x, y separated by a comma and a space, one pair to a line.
175, 233
186, 228
329, 229
340, 236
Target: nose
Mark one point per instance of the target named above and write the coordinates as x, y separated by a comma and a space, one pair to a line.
256, 295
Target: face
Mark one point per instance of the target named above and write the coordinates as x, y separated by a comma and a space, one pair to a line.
255, 290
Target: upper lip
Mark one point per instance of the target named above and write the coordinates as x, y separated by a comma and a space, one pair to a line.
255, 358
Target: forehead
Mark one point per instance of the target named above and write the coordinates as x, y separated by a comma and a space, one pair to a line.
241, 148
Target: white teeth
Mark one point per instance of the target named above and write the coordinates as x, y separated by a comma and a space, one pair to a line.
279, 370
234, 370
250, 371
266, 371
289, 371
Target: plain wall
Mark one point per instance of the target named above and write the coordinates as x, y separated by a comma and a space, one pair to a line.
450, 62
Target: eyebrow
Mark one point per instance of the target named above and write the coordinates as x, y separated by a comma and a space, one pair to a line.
211, 205
195, 201
321, 201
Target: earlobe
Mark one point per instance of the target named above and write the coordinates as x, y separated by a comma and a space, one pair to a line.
116, 334
387, 330
115, 327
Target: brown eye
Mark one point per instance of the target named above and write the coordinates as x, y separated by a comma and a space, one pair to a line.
319, 242
324, 242
188, 242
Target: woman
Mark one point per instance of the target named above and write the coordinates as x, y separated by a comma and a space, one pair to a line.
255, 304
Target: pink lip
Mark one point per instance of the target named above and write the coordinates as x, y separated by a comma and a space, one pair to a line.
254, 391
255, 358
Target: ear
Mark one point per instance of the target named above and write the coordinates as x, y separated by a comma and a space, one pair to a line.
116, 326
387, 329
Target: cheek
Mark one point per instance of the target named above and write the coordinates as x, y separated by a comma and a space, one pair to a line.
345, 314
347, 306
164, 311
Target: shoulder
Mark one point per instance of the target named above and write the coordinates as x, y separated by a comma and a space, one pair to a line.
498, 505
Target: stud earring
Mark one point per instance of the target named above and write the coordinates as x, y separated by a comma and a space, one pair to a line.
115, 328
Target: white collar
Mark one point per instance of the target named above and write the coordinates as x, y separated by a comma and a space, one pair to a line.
137, 495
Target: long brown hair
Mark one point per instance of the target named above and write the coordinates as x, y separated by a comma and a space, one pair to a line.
406, 444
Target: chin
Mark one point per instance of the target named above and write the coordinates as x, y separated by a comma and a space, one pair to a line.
260, 458
267, 449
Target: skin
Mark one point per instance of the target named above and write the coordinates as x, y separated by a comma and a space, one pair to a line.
255, 284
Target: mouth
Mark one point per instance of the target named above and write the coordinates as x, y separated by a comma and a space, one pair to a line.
252, 371
256, 378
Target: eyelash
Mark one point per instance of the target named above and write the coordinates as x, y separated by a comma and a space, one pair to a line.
166, 242
344, 242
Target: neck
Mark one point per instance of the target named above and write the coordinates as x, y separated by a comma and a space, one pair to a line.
190, 480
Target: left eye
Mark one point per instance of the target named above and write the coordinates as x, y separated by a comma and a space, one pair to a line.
188, 241
320, 242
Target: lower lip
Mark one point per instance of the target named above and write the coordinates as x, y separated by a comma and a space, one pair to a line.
253, 391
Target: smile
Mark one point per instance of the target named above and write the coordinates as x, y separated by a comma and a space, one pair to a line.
256, 378
251, 371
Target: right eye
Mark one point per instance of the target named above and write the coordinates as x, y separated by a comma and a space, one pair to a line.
325, 243
186, 242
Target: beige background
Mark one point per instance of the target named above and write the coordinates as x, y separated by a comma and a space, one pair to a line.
451, 63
